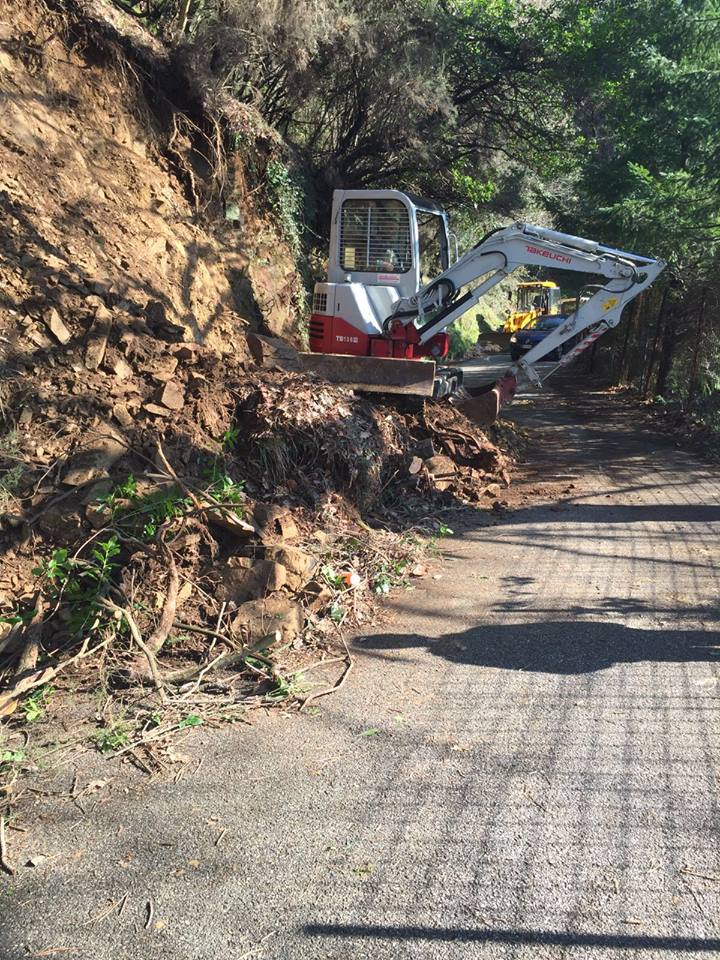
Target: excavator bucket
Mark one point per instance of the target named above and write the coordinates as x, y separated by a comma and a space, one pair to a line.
482, 404
373, 374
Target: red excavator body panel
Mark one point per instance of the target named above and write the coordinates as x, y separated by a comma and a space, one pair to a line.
337, 336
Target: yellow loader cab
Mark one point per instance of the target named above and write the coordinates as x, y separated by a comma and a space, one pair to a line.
535, 299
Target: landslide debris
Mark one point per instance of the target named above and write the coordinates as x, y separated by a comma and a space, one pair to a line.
164, 490
185, 530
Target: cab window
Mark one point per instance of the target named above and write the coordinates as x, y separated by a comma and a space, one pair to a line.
375, 236
433, 256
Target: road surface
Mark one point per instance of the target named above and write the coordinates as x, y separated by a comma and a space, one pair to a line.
523, 764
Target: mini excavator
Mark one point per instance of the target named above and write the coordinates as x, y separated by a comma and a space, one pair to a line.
396, 283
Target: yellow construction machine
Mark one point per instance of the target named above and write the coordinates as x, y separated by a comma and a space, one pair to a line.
535, 299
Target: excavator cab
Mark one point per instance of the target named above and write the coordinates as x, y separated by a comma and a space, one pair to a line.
384, 246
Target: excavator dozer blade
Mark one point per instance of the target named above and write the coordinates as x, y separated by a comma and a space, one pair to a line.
482, 404
374, 374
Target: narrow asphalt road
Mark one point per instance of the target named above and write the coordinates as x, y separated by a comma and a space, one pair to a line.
523, 764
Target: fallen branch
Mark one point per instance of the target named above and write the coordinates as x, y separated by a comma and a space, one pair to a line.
207, 632
8, 701
349, 663
225, 659
33, 635
137, 637
160, 633
4, 862
213, 509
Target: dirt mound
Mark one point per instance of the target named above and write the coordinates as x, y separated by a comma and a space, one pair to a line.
134, 455
99, 192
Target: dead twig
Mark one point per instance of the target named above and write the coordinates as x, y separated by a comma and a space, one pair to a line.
223, 660
160, 633
714, 877
206, 631
33, 635
135, 633
8, 701
698, 901
212, 506
349, 663
4, 861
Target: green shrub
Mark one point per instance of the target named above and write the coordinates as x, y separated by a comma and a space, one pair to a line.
463, 337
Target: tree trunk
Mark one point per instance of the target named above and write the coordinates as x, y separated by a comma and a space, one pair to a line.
667, 354
647, 375
623, 367
694, 380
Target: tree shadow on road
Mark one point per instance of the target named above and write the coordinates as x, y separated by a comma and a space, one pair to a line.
559, 646
518, 937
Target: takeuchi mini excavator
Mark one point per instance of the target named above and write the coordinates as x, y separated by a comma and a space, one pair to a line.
395, 284
535, 299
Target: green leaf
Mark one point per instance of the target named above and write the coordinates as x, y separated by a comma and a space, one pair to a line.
191, 720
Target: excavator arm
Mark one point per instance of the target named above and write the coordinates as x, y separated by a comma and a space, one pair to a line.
439, 303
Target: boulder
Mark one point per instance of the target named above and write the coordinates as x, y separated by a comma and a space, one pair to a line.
244, 580
299, 566
274, 524
94, 461
258, 618
171, 395
56, 327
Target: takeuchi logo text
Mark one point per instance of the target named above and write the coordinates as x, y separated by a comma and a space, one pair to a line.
549, 254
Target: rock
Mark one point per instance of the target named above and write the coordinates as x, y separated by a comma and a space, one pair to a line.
415, 466
440, 466
60, 524
97, 515
95, 302
317, 596
258, 618
122, 415
163, 369
184, 593
244, 580
186, 352
493, 490
38, 338
298, 565
98, 338
100, 288
95, 460
272, 353
156, 410
97, 491
425, 449
171, 395
121, 368
157, 321
56, 327
419, 570
274, 524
